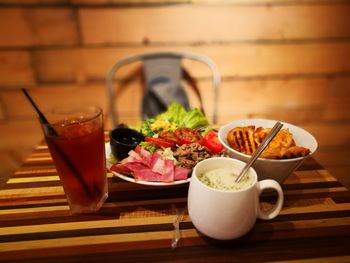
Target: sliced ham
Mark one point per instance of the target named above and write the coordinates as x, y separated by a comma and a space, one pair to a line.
155, 157
147, 175
150, 167
168, 173
135, 166
158, 166
120, 168
180, 173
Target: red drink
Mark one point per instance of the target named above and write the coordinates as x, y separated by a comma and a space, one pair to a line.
77, 148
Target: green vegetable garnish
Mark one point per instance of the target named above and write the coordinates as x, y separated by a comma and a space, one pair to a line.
149, 146
175, 116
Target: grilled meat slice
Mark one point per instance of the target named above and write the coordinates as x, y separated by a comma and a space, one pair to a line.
247, 139
242, 139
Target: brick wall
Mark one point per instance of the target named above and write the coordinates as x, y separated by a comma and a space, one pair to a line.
281, 59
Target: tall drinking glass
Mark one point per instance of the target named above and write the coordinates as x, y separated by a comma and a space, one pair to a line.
75, 138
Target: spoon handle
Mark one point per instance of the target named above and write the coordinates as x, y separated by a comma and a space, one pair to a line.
260, 149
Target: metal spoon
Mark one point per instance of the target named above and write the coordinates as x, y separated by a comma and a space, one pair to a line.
260, 149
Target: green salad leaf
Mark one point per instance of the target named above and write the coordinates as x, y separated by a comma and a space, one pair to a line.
145, 127
194, 118
174, 117
175, 113
149, 146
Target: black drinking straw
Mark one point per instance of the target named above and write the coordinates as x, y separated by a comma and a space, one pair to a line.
42, 117
54, 133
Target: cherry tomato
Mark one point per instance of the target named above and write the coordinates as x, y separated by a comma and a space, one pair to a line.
211, 141
187, 136
159, 142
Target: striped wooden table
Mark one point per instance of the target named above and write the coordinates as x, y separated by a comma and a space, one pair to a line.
137, 223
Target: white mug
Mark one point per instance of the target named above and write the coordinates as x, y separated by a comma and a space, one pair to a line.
228, 214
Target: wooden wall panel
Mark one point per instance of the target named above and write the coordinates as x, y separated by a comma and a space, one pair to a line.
299, 108
248, 96
211, 2
210, 23
330, 134
129, 2
21, 27
340, 86
16, 68
10, 19
337, 108
340, 155
289, 100
237, 61
48, 97
34, 2
17, 134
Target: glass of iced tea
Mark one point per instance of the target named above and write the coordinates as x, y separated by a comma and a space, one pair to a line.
75, 138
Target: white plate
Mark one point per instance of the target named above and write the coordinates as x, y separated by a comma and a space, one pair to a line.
132, 179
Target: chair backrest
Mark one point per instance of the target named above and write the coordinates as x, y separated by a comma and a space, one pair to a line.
162, 73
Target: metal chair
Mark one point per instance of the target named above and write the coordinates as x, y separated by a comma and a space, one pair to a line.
162, 73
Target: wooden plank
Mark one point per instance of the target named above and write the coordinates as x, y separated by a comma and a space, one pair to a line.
105, 243
337, 108
27, 192
51, 96
236, 60
229, 2
336, 259
106, 240
2, 110
85, 225
340, 86
309, 176
247, 97
324, 131
21, 27
317, 208
333, 156
237, 98
73, 226
31, 179
277, 98
31, 2
200, 23
8, 164
341, 172
20, 134
161, 2
16, 68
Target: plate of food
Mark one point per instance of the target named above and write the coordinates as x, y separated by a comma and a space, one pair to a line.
172, 144
285, 153
130, 178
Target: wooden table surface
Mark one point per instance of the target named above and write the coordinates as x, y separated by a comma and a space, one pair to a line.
136, 224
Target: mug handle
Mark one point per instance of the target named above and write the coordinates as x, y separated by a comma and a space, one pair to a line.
270, 184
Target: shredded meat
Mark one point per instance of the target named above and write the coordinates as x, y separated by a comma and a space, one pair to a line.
190, 154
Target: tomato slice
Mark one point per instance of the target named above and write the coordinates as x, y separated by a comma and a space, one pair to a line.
187, 135
211, 141
159, 142
168, 136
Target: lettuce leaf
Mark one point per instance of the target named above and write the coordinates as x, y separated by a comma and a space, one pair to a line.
175, 114
194, 118
145, 127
